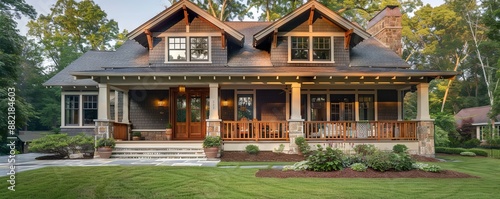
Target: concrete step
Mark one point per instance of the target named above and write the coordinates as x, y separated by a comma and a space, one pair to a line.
159, 149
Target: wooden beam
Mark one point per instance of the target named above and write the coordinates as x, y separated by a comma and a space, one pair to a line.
275, 38
223, 38
149, 36
311, 15
347, 38
186, 19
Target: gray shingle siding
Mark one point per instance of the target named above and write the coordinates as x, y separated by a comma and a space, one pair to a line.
144, 114
198, 25
320, 25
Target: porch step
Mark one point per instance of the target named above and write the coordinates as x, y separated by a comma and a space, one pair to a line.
159, 150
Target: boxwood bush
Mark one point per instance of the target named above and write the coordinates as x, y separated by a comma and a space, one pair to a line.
380, 161
359, 167
399, 148
63, 145
252, 149
458, 151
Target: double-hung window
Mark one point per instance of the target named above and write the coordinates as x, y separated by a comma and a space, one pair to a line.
311, 49
79, 109
188, 49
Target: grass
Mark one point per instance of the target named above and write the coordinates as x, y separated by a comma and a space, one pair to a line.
196, 182
494, 153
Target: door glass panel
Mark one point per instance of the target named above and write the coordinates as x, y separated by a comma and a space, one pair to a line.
195, 108
207, 107
181, 108
366, 107
318, 107
342, 107
245, 106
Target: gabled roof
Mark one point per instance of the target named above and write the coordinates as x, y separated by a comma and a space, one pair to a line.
156, 20
475, 115
248, 55
327, 13
130, 54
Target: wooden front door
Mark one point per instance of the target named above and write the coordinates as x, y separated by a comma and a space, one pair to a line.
190, 113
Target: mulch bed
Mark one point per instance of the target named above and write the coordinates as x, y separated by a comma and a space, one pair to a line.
267, 156
349, 173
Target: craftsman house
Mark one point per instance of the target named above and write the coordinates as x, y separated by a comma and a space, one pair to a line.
476, 119
311, 73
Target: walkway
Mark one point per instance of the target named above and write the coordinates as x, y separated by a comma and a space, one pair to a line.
25, 162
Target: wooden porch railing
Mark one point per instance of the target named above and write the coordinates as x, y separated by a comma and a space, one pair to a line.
372, 130
120, 131
254, 130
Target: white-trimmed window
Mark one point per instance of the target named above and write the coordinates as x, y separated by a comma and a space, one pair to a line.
305, 49
194, 49
79, 109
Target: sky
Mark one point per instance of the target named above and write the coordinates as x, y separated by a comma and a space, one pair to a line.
128, 13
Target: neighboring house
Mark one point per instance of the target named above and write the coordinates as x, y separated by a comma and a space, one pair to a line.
27, 137
477, 117
311, 73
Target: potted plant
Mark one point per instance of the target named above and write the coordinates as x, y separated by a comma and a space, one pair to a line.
211, 146
168, 131
136, 136
105, 147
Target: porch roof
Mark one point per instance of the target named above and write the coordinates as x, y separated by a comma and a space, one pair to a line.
343, 72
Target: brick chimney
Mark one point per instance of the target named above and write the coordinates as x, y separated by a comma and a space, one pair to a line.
386, 27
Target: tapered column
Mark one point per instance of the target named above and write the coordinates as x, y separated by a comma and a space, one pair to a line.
295, 113
214, 121
423, 101
125, 107
103, 107
296, 123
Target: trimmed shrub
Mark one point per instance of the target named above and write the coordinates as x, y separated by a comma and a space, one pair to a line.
380, 161
62, 144
467, 153
298, 166
401, 161
399, 148
325, 160
479, 152
359, 167
365, 149
472, 143
252, 149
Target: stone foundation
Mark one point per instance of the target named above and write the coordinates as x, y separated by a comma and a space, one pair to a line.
213, 127
296, 129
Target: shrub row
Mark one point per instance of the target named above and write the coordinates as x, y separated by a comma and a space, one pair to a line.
457, 151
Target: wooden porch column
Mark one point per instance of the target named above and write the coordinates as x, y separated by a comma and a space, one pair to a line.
423, 102
295, 112
296, 123
214, 121
103, 103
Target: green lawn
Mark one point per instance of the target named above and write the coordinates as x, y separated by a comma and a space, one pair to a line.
196, 182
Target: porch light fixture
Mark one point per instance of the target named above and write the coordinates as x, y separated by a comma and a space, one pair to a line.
182, 89
161, 103
225, 103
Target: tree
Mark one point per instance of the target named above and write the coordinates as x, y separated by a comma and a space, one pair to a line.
225, 10
71, 29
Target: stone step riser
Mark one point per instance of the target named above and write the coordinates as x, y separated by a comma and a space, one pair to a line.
158, 152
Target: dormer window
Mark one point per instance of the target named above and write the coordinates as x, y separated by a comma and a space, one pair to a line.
179, 47
311, 49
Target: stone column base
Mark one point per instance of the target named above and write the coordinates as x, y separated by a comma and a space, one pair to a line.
295, 129
214, 127
425, 136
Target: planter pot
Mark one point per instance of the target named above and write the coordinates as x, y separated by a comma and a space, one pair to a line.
211, 152
104, 152
136, 138
168, 133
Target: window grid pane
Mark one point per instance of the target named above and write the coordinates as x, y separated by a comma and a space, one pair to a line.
199, 48
177, 49
300, 48
321, 48
71, 110
89, 109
